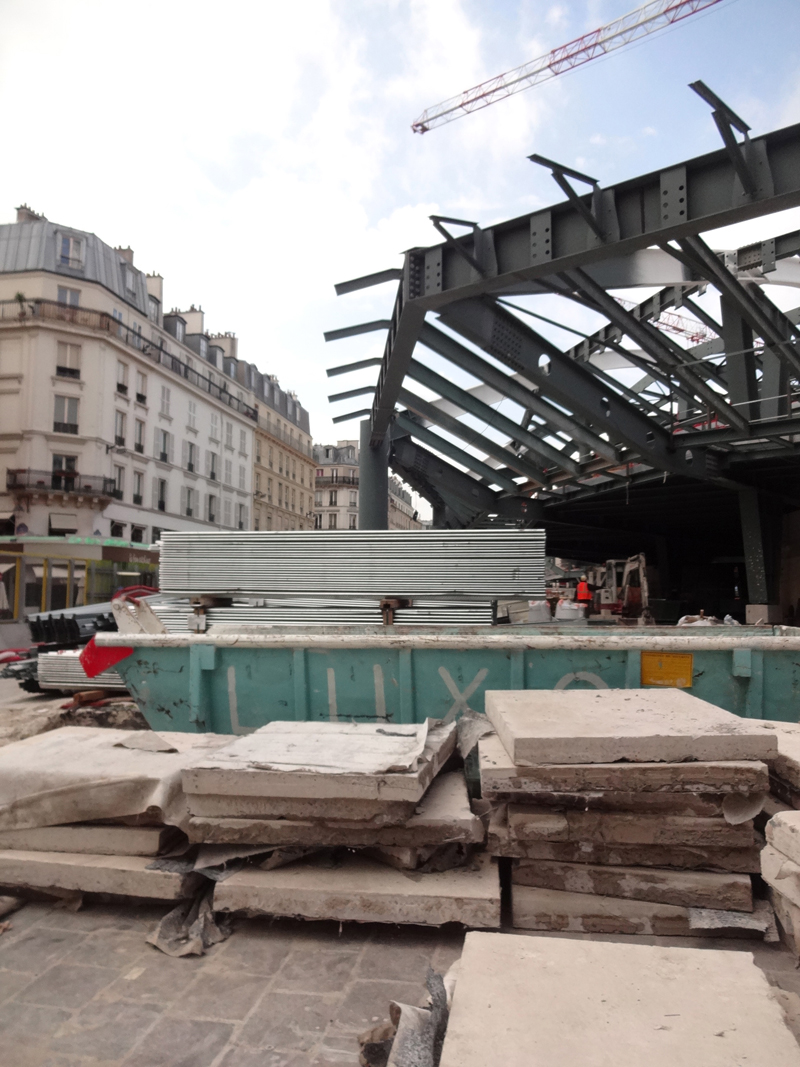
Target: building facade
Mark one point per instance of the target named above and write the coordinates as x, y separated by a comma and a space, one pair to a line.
336, 491
116, 419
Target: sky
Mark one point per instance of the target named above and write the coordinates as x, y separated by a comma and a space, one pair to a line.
255, 154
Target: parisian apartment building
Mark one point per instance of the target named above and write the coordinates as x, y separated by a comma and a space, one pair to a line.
336, 492
120, 419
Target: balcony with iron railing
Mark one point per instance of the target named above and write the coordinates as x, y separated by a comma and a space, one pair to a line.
285, 437
328, 479
32, 481
15, 312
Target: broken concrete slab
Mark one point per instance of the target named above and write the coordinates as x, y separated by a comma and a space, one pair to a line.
83, 774
688, 889
443, 815
92, 839
120, 875
526, 823
527, 1001
326, 760
500, 843
786, 764
783, 833
361, 890
374, 812
607, 725
500, 775
551, 909
781, 873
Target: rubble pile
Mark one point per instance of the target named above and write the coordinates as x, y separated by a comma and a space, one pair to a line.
627, 811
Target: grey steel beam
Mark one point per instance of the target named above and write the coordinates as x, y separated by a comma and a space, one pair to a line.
752, 541
572, 384
407, 320
688, 198
440, 483
473, 437
392, 275
346, 368
755, 432
373, 482
740, 360
777, 331
463, 357
541, 450
447, 448
359, 328
667, 354
348, 394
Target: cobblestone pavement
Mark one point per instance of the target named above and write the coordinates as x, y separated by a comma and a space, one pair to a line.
84, 990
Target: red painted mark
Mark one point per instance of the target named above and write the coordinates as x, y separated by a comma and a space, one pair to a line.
95, 660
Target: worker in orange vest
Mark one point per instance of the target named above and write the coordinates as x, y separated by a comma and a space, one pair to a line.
583, 593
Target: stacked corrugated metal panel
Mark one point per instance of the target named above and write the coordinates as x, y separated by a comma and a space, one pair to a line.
63, 670
448, 564
175, 612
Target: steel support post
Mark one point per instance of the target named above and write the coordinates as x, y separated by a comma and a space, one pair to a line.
753, 546
373, 481
740, 361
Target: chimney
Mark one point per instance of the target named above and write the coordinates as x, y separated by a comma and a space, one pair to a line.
26, 214
126, 253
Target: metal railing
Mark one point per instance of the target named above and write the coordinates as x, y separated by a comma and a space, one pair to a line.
60, 482
281, 434
327, 479
100, 321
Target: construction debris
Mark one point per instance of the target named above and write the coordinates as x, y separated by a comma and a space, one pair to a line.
635, 846
523, 1000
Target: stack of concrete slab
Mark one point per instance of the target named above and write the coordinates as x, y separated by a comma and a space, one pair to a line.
626, 811
373, 788
88, 810
526, 1001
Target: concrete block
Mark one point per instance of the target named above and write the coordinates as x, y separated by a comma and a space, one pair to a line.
783, 833
121, 875
688, 889
325, 760
607, 725
500, 775
374, 812
617, 828
361, 890
788, 916
524, 1001
781, 873
86, 838
443, 816
550, 909
741, 860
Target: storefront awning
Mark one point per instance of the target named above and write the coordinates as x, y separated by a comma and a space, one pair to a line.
63, 521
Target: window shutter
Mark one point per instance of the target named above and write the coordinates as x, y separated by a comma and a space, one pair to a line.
171, 447
155, 494
184, 454
156, 448
246, 513
184, 500
205, 506
208, 470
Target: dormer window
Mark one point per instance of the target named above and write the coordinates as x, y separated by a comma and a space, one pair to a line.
180, 330
71, 252
203, 348
130, 278
153, 308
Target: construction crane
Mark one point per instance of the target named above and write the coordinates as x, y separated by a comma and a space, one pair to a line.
647, 19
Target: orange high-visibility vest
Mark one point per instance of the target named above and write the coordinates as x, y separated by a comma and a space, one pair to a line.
583, 591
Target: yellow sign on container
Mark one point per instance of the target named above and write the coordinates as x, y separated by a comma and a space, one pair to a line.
667, 668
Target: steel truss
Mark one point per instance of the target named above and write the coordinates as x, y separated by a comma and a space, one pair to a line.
705, 412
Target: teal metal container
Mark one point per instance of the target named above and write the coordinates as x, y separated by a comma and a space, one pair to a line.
236, 682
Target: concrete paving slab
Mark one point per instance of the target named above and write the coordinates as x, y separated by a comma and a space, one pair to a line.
552, 909
526, 823
97, 840
120, 875
552, 1002
688, 889
443, 815
323, 760
500, 842
786, 765
499, 774
783, 833
788, 916
607, 725
362, 890
375, 812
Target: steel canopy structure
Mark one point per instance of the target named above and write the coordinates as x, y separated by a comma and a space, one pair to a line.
708, 413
